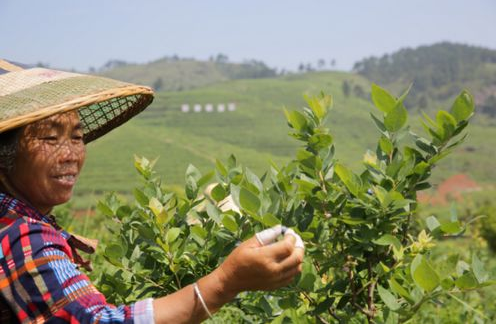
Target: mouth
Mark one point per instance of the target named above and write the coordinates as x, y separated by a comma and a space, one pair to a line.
66, 179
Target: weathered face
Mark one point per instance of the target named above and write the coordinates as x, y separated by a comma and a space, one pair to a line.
50, 155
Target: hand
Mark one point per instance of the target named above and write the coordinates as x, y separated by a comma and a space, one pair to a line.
254, 267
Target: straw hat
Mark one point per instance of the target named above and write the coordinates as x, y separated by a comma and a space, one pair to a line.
31, 94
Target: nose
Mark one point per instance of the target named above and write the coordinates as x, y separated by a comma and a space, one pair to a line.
70, 151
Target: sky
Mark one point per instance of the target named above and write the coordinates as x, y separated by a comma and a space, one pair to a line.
281, 33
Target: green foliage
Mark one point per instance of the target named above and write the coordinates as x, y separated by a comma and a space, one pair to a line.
438, 71
364, 260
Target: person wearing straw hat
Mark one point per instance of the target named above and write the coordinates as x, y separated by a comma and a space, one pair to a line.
46, 119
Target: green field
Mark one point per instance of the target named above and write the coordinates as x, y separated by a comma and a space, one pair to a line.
255, 133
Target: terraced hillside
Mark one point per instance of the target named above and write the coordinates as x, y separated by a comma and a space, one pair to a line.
256, 132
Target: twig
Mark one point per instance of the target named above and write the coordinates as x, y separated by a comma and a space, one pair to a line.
371, 287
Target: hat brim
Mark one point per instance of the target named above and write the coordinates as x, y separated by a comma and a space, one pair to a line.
103, 104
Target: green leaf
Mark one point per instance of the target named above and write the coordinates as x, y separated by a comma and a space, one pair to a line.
319, 105
205, 179
221, 168
478, 269
388, 239
172, 234
396, 118
308, 277
104, 209
296, 119
388, 298
218, 193
254, 180
229, 222
467, 281
405, 93
352, 221
191, 188
463, 107
421, 168
382, 99
396, 287
140, 197
351, 180
213, 213
432, 223
379, 124
199, 232
156, 206
446, 121
271, 220
115, 251
451, 227
249, 201
385, 145
193, 172
423, 274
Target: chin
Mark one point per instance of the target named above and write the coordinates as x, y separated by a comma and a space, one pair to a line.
61, 199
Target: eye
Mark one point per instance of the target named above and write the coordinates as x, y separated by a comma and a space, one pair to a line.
49, 139
77, 137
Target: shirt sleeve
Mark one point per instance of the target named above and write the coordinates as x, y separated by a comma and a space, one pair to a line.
41, 283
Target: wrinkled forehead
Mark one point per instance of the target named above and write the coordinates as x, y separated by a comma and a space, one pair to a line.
68, 120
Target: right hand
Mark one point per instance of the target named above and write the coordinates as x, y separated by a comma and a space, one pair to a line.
254, 267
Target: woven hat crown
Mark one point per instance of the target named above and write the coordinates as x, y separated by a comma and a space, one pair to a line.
31, 94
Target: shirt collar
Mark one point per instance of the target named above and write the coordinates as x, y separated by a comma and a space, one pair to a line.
7, 202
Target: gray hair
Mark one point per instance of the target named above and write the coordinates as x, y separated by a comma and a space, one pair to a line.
8, 148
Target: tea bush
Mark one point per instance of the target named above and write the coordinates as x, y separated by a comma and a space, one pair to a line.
365, 261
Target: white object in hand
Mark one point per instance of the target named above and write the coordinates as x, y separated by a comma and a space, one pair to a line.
270, 235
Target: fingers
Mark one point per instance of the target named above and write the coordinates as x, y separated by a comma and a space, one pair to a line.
281, 249
269, 235
293, 261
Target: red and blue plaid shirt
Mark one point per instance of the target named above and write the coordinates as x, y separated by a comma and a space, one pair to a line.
40, 281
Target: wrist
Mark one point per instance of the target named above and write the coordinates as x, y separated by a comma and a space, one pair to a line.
215, 290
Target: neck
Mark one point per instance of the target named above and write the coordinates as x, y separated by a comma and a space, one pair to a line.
7, 187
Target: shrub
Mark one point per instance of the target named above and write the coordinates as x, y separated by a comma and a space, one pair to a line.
364, 260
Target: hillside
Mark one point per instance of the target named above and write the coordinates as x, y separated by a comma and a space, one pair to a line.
438, 73
256, 132
178, 74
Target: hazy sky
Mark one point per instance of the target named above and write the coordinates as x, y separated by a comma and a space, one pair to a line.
282, 33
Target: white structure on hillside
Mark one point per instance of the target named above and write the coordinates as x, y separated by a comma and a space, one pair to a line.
208, 108
231, 106
221, 108
185, 108
197, 108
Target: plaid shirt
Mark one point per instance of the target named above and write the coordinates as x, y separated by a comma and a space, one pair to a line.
39, 279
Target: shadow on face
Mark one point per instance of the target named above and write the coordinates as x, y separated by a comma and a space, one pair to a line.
48, 161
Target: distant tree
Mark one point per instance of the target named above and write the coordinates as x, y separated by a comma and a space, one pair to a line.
91, 70
221, 58
346, 88
42, 65
359, 92
158, 84
309, 67
489, 106
301, 67
111, 64
321, 64
332, 63
434, 67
